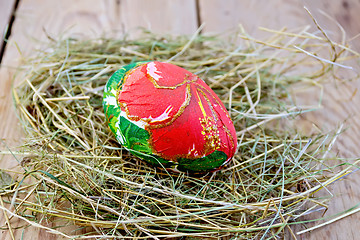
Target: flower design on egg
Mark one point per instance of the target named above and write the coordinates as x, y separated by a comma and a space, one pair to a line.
169, 117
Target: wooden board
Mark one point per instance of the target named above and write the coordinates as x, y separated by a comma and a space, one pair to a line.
37, 19
345, 13
171, 17
220, 17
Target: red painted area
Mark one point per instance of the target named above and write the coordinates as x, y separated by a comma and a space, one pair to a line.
147, 101
198, 123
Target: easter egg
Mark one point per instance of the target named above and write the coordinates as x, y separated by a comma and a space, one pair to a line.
169, 117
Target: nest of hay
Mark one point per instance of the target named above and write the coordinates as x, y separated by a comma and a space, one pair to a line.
76, 176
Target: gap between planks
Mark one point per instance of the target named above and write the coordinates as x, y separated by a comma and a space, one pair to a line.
7, 30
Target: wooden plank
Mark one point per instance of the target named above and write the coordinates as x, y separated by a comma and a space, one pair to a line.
171, 17
37, 19
339, 103
6, 8
345, 13
221, 16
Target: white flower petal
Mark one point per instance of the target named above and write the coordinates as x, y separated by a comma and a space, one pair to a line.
110, 100
152, 71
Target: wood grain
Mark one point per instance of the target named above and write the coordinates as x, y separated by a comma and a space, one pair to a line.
6, 8
343, 12
220, 16
36, 20
165, 17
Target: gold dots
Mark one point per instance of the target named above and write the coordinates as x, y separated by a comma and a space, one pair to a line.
211, 133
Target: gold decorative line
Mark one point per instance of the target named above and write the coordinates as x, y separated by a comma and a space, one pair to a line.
126, 109
127, 76
179, 112
217, 101
209, 104
200, 104
227, 130
118, 91
186, 80
147, 120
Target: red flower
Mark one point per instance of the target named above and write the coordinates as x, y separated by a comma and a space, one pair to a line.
183, 115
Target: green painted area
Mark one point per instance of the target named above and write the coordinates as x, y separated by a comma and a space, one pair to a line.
154, 160
116, 80
130, 135
207, 163
136, 138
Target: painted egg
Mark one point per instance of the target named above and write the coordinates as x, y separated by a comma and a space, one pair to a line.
169, 117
